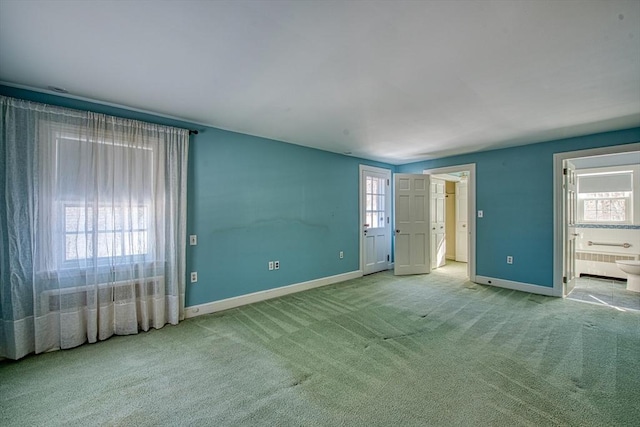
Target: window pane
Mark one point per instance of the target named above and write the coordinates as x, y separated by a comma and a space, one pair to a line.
141, 218
105, 218
74, 218
77, 246
118, 219
136, 243
109, 244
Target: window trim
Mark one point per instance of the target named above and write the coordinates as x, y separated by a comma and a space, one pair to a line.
55, 233
581, 211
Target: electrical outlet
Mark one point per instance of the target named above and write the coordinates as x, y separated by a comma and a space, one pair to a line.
276, 265
509, 259
270, 265
194, 276
341, 254
193, 240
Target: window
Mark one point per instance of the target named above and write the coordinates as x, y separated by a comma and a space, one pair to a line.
119, 231
101, 209
605, 197
375, 208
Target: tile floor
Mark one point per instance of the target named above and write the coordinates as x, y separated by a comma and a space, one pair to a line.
611, 293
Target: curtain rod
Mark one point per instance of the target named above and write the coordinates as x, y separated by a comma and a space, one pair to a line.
193, 132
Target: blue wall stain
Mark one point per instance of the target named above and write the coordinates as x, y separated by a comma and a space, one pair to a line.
253, 200
514, 188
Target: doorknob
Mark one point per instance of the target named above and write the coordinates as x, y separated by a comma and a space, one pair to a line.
397, 230
433, 228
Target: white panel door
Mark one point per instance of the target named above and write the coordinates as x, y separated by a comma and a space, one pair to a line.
412, 193
570, 208
375, 220
438, 241
462, 229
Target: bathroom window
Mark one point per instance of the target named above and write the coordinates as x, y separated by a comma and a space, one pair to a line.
605, 197
605, 207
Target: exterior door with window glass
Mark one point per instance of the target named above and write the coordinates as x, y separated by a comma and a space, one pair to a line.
412, 244
570, 208
375, 220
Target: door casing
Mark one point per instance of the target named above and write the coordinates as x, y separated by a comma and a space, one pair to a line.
558, 195
471, 209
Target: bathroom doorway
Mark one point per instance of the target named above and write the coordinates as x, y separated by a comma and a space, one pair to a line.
597, 222
453, 227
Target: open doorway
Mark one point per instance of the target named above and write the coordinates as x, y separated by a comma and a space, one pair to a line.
453, 217
597, 225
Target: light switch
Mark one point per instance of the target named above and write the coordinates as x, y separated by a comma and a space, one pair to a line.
193, 239
480, 214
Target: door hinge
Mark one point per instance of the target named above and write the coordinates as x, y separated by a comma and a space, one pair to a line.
564, 279
564, 171
387, 220
387, 183
388, 258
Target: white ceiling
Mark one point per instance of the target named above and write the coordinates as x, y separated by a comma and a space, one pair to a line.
393, 81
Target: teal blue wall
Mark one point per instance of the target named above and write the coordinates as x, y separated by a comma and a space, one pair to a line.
252, 200
514, 188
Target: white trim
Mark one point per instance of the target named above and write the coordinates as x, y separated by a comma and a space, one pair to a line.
471, 200
516, 286
226, 304
558, 220
389, 201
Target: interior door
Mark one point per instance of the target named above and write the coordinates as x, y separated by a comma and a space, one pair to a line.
437, 217
462, 229
376, 227
570, 209
412, 246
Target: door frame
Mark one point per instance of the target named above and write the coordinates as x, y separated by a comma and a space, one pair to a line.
471, 209
388, 201
558, 194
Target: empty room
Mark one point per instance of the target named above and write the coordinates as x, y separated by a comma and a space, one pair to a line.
320, 213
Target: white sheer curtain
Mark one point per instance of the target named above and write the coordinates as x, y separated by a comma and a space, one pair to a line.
92, 226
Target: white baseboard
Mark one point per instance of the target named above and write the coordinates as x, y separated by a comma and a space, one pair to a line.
518, 286
226, 304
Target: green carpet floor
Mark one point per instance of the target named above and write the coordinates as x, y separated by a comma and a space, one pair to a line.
380, 350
